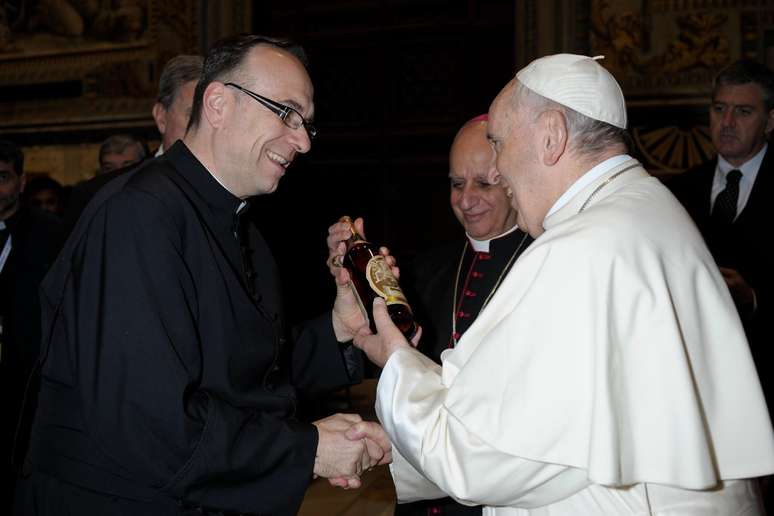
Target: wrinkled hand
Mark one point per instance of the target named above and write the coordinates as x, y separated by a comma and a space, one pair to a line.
742, 293
339, 458
388, 338
348, 316
377, 444
377, 441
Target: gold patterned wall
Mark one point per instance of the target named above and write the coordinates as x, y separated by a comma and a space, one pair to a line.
73, 73
663, 52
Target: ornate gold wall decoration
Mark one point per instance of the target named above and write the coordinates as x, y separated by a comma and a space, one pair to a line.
672, 147
665, 54
659, 49
74, 71
79, 64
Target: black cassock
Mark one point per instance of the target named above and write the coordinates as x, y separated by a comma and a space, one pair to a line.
165, 383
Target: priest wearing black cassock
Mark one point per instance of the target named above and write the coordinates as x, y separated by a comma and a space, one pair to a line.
452, 283
167, 382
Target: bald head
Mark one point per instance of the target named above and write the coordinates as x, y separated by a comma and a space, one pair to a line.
471, 148
477, 199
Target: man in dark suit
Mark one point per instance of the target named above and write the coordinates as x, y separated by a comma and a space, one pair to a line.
728, 199
453, 283
29, 242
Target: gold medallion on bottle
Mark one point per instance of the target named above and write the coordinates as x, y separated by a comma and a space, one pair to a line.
382, 281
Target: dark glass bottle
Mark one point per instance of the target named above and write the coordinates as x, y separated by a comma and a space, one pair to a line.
371, 277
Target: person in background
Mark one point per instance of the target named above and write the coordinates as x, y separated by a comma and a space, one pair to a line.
452, 283
120, 151
45, 193
470, 268
728, 199
172, 109
29, 242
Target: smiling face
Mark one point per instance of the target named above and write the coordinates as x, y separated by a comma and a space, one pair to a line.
478, 200
739, 121
255, 147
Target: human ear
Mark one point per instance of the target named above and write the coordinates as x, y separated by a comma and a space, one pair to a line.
493, 176
215, 103
160, 117
769, 123
554, 139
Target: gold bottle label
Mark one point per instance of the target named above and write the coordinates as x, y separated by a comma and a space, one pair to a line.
383, 282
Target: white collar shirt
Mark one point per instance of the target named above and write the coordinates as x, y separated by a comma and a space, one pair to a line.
749, 171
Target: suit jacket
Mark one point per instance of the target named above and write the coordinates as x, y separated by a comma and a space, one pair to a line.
741, 248
36, 239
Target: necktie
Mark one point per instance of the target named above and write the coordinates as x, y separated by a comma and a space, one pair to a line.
724, 210
4, 233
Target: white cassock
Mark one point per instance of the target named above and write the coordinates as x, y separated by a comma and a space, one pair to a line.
609, 375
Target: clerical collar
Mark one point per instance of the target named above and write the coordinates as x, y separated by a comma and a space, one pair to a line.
586, 179
242, 205
482, 246
216, 178
204, 183
749, 168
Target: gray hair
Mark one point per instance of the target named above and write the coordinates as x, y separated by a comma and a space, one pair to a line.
178, 71
586, 136
117, 143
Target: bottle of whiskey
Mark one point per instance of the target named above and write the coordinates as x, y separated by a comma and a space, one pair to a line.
371, 277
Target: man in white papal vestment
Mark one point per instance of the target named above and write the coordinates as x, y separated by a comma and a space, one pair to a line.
609, 374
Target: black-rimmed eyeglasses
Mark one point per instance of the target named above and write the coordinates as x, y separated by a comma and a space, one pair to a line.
287, 114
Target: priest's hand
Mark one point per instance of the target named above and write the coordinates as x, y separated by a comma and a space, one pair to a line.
348, 316
340, 459
388, 339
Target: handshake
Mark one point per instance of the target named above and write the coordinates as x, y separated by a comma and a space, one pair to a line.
348, 446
